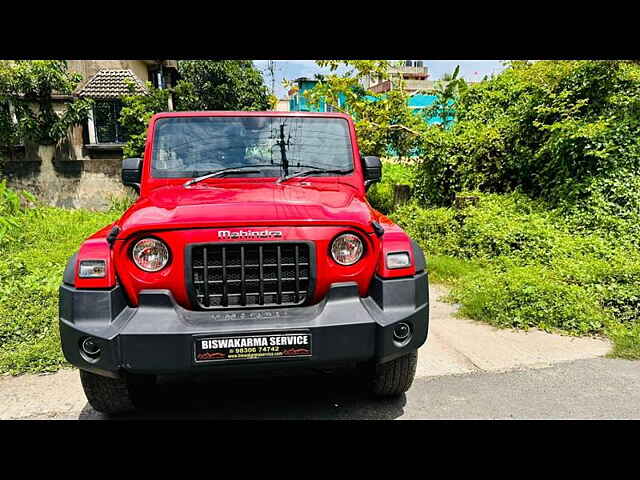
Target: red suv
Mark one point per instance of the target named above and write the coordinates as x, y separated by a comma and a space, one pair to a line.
251, 246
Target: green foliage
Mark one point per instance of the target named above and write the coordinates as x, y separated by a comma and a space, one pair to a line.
31, 269
380, 195
551, 128
516, 262
28, 85
220, 85
531, 296
449, 270
204, 85
556, 144
447, 91
136, 112
12, 208
121, 203
384, 125
626, 341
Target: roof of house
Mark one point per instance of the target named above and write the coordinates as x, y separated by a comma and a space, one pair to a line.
111, 84
306, 79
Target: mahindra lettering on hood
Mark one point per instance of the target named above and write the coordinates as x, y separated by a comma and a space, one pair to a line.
251, 244
227, 234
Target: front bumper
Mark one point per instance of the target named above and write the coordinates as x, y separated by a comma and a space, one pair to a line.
157, 336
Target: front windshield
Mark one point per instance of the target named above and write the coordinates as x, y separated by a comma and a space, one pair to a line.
193, 146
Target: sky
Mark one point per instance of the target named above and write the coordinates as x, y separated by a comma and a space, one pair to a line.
471, 70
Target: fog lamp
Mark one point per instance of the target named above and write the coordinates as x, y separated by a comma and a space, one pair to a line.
91, 347
401, 332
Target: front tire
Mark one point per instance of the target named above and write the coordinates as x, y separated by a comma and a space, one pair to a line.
395, 377
114, 395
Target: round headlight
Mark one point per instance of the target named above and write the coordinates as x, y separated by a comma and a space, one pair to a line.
150, 254
347, 249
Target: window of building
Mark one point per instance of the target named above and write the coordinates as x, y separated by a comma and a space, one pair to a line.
105, 119
155, 77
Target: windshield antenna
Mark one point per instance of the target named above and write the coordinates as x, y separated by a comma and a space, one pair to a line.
283, 151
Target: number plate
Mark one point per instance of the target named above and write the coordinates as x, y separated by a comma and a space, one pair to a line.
252, 347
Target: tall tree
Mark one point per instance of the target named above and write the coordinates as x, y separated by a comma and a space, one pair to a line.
220, 85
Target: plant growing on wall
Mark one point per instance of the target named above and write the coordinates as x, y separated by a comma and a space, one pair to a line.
28, 113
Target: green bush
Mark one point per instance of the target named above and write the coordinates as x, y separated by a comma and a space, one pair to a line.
530, 296
562, 131
516, 262
380, 195
552, 150
433, 228
12, 207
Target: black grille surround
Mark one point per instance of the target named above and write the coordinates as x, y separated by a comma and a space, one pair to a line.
243, 275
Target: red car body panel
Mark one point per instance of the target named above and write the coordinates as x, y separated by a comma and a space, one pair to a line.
315, 209
172, 277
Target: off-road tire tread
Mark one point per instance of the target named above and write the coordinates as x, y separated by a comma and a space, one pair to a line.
395, 377
106, 395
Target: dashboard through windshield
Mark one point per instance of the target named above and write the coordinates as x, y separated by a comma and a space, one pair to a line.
193, 146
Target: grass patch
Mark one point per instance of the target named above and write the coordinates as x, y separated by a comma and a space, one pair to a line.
449, 270
31, 264
626, 341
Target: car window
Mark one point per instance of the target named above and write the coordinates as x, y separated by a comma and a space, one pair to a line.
192, 146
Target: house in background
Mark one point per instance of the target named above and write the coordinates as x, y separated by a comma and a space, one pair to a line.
106, 81
84, 170
414, 74
298, 102
282, 105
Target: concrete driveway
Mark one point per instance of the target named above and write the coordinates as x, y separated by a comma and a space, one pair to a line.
466, 370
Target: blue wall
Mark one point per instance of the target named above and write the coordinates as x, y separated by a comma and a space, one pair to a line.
298, 102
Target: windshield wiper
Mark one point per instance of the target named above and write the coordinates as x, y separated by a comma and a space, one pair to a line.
306, 173
225, 171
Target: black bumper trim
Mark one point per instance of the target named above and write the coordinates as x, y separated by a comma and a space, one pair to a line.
157, 336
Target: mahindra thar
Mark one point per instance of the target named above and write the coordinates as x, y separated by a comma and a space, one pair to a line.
251, 247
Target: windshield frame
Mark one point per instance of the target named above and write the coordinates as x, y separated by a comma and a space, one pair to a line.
353, 153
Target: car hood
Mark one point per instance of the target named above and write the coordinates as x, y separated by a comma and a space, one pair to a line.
248, 204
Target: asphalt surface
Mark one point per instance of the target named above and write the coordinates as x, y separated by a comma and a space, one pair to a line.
466, 370
599, 388
583, 389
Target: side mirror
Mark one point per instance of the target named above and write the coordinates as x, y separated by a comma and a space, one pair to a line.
132, 173
372, 171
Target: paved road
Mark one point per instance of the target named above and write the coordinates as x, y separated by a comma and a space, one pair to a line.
466, 370
598, 388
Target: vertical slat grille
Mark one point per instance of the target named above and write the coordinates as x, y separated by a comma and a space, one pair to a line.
250, 275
